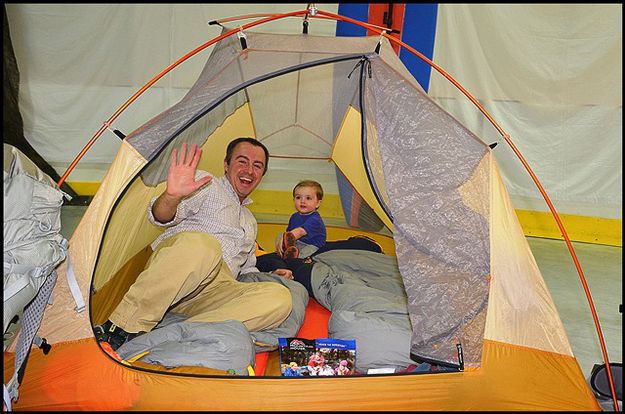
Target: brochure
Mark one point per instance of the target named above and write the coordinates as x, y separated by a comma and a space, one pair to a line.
317, 357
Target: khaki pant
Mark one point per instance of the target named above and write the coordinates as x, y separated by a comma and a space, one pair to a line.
187, 275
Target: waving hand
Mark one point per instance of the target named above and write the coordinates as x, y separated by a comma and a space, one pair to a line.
181, 176
181, 182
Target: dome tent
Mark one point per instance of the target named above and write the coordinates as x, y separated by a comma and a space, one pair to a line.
432, 183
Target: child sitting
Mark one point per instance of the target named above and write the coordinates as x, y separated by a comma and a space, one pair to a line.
306, 237
306, 232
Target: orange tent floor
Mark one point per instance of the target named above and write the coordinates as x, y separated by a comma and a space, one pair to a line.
77, 375
315, 326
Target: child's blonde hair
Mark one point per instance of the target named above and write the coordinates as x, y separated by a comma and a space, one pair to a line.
310, 183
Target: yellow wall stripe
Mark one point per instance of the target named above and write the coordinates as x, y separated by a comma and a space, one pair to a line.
84, 188
586, 229
596, 230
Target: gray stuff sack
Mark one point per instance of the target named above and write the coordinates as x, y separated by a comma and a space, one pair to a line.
33, 248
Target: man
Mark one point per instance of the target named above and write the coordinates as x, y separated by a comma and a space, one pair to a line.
209, 240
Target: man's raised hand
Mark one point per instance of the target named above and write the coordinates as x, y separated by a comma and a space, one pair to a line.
181, 176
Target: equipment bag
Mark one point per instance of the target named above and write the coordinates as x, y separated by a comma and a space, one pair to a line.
33, 248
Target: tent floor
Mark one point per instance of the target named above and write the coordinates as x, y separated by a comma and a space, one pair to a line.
602, 267
315, 326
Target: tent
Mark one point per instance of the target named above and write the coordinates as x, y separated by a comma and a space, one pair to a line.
346, 112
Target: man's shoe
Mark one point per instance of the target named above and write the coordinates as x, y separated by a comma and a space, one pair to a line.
112, 334
289, 246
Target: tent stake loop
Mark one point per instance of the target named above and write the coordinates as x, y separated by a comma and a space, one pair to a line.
242, 38
377, 47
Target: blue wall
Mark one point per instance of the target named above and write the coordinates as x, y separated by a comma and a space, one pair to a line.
418, 31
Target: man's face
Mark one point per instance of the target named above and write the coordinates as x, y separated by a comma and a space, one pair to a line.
245, 169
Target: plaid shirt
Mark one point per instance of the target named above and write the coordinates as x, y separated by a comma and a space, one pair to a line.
215, 209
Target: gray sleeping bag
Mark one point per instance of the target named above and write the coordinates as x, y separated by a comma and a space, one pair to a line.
174, 342
219, 345
267, 340
363, 290
365, 293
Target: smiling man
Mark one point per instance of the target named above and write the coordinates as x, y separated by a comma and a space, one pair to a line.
209, 240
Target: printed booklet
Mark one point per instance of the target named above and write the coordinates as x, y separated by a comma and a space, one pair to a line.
301, 357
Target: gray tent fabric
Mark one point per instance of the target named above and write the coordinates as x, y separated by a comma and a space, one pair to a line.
365, 293
217, 89
442, 245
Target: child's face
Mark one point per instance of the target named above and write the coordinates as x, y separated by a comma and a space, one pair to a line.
306, 200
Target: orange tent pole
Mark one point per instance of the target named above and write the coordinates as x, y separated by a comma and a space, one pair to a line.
527, 167
159, 76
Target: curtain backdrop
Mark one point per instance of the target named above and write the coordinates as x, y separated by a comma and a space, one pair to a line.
550, 74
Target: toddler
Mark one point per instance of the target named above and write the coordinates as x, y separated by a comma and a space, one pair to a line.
306, 232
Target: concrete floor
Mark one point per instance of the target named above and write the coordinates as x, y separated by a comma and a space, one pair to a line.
602, 268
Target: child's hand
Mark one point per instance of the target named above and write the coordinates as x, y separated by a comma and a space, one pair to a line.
285, 273
279, 247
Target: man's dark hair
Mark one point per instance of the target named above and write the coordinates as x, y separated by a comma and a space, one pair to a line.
250, 140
